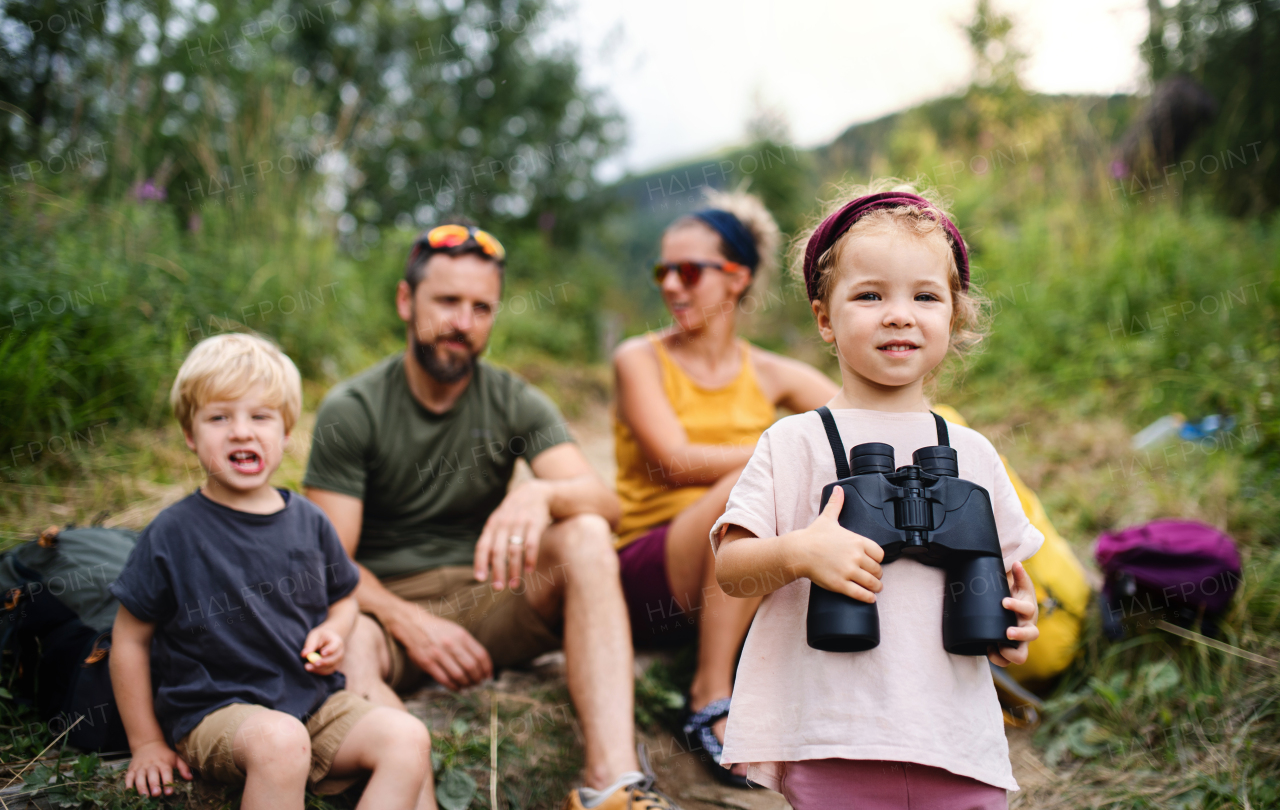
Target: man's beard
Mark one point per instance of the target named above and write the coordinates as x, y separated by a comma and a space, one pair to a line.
452, 368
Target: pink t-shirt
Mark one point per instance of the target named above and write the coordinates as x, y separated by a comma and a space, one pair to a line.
906, 700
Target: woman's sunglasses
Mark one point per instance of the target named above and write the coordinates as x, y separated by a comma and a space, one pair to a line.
691, 272
443, 237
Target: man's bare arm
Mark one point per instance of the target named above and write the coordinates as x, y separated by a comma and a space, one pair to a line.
573, 487
443, 649
565, 485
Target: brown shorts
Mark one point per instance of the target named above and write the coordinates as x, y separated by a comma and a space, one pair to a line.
209, 748
504, 622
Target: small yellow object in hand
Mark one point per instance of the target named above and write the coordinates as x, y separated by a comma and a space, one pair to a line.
313, 657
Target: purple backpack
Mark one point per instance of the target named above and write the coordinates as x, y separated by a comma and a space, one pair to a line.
1172, 570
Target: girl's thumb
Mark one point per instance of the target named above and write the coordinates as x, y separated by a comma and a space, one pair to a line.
834, 503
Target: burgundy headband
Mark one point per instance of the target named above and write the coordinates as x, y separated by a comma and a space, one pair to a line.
835, 226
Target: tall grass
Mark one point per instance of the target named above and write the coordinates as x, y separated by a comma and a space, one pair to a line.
1166, 724
103, 300
103, 303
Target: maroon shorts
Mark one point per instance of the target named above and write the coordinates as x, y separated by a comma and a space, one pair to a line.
657, 620
883, 785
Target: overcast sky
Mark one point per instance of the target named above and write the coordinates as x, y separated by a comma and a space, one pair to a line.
685, 73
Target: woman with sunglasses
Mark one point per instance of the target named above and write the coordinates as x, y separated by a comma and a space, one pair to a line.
693, 400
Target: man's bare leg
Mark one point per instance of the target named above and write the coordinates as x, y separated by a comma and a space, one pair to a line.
367, 664
577, 580
722, 619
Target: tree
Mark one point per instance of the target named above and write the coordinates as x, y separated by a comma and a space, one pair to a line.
997, 60
403, 112
1232, 48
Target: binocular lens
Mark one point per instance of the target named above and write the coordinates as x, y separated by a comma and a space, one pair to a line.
872, 457
940, 460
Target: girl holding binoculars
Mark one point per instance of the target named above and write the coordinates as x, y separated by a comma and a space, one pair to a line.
905, 724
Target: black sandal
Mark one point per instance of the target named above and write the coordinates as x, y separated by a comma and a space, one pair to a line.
699, 735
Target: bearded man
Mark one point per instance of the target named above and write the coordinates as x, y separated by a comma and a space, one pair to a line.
459, 573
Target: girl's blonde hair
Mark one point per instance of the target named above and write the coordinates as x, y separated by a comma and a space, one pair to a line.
970, 322
227, 367
751, 212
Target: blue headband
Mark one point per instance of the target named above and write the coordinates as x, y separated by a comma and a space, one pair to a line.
735, 235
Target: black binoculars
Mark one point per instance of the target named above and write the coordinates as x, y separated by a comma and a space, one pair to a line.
927, 513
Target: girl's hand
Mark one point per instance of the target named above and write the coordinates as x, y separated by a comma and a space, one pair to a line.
1023, 603
151, 769
327, 643
838, 559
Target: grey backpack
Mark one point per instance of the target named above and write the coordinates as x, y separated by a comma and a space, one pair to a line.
55, 625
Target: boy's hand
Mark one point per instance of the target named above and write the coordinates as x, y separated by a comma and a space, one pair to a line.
326, 644
1023, 603
151, 769
838, 559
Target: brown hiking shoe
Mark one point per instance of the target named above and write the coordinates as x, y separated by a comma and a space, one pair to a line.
632, 791
628, 797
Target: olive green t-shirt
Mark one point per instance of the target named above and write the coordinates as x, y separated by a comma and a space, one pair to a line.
428, 481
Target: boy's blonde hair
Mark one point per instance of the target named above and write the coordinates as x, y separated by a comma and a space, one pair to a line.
226, 367
755, 217
969, 319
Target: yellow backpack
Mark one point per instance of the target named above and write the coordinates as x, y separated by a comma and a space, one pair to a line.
1062, 588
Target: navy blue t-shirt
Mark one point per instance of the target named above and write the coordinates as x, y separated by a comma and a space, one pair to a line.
233, 596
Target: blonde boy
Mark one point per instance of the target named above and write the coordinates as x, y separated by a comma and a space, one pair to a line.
238, 599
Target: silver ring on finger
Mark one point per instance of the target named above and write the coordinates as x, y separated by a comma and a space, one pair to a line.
516, 540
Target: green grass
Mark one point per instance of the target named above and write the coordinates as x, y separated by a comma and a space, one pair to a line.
537, 745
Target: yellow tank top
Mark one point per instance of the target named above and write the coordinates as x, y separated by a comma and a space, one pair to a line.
735, 414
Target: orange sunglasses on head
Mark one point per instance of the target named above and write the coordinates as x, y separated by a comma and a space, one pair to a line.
443, 237
691, 272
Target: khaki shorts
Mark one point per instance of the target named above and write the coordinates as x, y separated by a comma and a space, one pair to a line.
209, 748
504, 622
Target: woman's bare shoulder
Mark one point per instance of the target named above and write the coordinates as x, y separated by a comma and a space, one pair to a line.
635, 356
627, 350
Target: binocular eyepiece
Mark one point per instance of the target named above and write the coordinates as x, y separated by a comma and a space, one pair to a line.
876, 457
927, 512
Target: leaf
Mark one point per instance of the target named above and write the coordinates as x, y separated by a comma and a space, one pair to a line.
39, 776
1160, 677
1111, 690
4, 694
456, 789
86, 767
1080, 738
